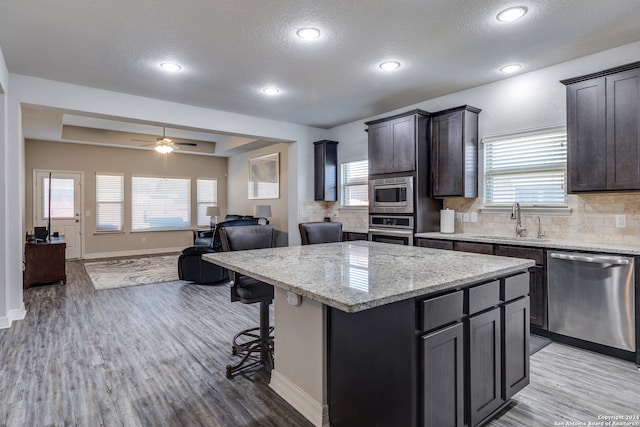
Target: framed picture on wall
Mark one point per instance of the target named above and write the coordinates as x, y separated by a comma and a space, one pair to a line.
264, 177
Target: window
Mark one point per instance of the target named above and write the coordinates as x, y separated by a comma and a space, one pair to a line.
530, 168
354, 178
109, 202
207, 195
160, 203
62, 198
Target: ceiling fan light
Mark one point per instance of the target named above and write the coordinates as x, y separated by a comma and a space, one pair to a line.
164, 149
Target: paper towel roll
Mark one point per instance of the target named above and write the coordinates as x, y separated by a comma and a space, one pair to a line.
447, 220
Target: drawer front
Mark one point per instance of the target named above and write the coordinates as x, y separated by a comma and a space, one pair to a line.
515, 287
483, 296
442, 310
477, 248
434, 244
535, 254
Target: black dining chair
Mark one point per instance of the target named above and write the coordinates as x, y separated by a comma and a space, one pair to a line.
255, 345
320, 232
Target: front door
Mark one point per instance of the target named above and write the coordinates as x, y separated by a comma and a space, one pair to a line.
64, 201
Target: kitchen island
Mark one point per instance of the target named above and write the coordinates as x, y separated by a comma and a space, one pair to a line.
393, 335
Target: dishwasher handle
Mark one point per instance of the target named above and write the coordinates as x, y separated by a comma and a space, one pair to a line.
594, 259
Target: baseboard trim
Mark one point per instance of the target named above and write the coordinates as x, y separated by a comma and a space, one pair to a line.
312, 410
19, 314
133, 253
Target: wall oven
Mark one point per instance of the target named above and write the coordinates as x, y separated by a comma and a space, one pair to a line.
391, 229
391, 195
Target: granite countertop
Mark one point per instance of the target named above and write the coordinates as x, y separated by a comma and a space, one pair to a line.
560, 244
355, 276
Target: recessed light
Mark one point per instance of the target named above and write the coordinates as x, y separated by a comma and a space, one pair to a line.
511, 14
271, 90
511, 68
170, 66
390, 65
308, 33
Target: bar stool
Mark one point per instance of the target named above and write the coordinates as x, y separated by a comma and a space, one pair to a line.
255, 345
320, 232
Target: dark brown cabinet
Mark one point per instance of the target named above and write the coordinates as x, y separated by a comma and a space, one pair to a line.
485, 364
441, 377
393, 142
325, 170
537, 274
452, 359
454, 152
537, 280
603, 126
349, 236
516, 345
44, 263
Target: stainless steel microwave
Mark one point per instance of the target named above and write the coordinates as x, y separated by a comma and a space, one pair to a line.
391, 195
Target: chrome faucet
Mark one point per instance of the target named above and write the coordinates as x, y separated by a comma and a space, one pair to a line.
541, 233
517, 215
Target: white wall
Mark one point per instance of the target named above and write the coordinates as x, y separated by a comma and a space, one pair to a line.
79, 99
527, 101
4, 247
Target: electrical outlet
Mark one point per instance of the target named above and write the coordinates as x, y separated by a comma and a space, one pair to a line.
465, 217
458, 217
144, 240
621, 221
474, 217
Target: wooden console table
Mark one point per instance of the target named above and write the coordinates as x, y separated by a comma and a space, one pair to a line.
44, 263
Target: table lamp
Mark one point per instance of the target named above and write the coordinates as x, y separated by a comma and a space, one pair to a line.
213, 212
262, 212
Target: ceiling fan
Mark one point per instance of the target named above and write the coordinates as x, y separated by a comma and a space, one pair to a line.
166, 145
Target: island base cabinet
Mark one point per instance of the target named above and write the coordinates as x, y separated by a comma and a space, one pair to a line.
372, 378
516, 346
442, 377
485, 365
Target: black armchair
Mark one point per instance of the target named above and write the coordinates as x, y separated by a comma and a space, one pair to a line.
193, 268
252, 342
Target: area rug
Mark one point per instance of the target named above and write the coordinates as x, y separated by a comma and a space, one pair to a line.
123, 272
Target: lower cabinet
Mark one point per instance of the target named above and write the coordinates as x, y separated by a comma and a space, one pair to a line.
442, 377
449, 360
516, 345
485, 364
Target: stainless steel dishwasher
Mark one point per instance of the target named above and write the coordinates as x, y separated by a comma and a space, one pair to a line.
592, 297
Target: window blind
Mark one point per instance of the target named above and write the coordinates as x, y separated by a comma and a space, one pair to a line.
530, 168
160, 203
109, 202
354, 177
206, 195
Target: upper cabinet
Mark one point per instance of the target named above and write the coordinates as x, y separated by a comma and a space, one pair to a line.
393, 142
603, 126
454, 152
325, 170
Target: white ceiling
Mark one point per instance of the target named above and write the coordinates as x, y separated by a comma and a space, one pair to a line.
230, 50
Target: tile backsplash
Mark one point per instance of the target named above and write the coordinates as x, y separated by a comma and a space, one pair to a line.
591, 217
351, 219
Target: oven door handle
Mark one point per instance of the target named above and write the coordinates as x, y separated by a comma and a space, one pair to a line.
388, 231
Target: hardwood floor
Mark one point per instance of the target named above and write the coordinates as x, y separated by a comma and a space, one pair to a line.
156, 354
151, 355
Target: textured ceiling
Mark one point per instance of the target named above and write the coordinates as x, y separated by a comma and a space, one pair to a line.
230, 50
